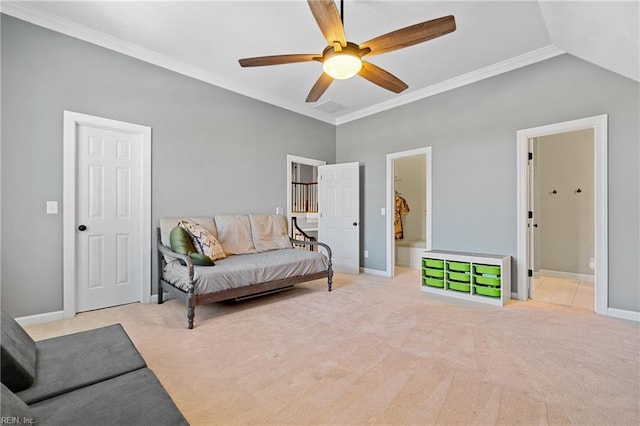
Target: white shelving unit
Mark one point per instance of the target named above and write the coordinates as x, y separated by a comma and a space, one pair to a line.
483, 278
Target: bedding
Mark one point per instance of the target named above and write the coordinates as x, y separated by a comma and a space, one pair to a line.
246, 270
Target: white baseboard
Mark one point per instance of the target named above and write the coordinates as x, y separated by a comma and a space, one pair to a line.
58, 315
566, 275
374, 272
40, 318
623, 314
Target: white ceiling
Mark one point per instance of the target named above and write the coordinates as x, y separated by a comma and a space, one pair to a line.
205, 40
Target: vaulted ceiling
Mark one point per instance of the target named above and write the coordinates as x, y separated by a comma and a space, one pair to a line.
204, 40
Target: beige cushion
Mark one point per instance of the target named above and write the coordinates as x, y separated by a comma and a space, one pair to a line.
203, 241
234, 233
168, 223
269, 232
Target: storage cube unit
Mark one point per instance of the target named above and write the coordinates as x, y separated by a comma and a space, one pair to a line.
482, 278
433, 273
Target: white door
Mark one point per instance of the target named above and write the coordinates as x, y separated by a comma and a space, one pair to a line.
339, 214
108, 217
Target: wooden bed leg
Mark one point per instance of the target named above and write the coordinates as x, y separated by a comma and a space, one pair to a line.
160, 293
191, 313
191, 304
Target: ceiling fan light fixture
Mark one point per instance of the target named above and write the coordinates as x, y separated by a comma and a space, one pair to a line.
342, 66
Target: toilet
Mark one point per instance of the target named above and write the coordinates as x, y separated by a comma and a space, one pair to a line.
592, 263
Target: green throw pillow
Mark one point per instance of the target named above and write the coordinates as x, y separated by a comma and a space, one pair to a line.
180, 242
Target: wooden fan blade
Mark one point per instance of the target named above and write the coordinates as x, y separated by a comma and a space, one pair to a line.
409, 36
382, 78
328, 18
318, 89
276, 60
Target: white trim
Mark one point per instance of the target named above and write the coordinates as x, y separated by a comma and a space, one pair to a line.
40, 318
566, 275
71, 121
376, 272
624, 314
26, 12
507, 65
599, 124
390, 204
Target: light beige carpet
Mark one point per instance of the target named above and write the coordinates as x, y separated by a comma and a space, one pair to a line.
379, 351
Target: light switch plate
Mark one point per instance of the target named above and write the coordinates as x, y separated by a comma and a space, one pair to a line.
382, 211
52, 207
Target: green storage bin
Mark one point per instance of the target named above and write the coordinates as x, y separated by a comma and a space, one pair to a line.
458, 286
487, 270
494, 282
433, 263
434, 273
433, 282
487, 291
458, 276
458, 266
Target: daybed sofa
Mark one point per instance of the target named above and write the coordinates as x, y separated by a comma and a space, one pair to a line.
259, 258
95, 377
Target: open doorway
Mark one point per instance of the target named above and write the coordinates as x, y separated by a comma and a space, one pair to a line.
323, 204
302, 196
562, 201
525, 216
408, 208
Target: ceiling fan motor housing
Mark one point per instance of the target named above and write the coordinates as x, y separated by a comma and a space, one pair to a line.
342, 62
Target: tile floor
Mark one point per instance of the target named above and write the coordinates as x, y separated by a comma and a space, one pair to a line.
562, 291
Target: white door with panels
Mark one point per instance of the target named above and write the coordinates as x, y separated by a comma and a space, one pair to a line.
339, 214
108, 217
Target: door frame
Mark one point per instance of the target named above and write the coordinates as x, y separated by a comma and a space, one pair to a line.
599, 125
391, 254
69, 157
300, 160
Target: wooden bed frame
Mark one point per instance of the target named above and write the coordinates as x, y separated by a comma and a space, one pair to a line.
192, 300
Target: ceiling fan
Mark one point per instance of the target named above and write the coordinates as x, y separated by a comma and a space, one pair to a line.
342, 59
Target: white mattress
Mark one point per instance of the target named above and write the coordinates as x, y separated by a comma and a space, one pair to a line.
246, 269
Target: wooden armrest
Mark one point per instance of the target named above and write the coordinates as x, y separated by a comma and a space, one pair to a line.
186, 260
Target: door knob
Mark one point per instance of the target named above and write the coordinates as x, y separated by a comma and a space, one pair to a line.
82, 228
535, 225
355, 223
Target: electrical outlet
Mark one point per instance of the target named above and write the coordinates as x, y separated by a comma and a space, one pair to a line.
52, 207
279, 210
366, 253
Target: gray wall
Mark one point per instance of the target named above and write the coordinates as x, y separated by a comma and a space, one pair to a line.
217, 152
472, 130
213, 151
566, 235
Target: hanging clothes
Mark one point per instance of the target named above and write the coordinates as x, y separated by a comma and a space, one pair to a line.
402, 208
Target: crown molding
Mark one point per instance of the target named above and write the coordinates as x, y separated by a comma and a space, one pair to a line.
25, 12
511, 64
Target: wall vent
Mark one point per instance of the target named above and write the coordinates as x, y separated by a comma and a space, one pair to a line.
330, 107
